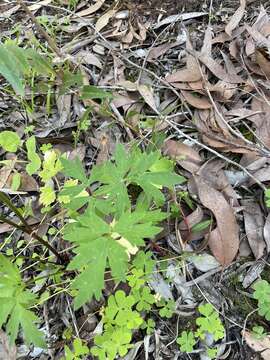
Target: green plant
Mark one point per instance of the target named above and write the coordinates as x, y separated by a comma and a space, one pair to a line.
79, 350
16, 63
262, 294
15, 302
102, 242
209, 322
267, 197
258, 332
186, 341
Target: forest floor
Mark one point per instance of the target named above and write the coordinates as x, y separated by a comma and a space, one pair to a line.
190, 78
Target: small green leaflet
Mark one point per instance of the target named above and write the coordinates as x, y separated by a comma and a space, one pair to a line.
9, 140
14, 303
33, 157
16, 181
99, 244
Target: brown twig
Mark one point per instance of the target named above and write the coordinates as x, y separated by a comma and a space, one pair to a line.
49, 40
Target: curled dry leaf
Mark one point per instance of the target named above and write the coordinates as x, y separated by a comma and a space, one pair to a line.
261, 346
254, 222
224, 240
185, 155
37, 6
236, 18
179, 17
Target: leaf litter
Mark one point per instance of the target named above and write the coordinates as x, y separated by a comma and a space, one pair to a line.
215, 85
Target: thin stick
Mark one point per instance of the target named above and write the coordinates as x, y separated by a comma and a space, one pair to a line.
50, 41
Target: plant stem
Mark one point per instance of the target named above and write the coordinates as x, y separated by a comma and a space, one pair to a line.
27, 229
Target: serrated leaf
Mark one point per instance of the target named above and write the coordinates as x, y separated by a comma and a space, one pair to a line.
14, 303
47, 195
74, 169
33, 157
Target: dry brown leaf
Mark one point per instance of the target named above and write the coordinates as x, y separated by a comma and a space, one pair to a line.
261, 346
198, 102
254, 222
236, 18
263, 62
104, 150
85, 57
5, 172
226, 244
191, 73
104, 20
185, 155
192, 219
266, 233
91, 10
148, 95
28, 183
158, 51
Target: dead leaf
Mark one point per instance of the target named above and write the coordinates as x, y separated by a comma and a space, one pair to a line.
85, 57
63, 103
266, 233
218, 70
224, 240
158, 51
257, 36
91, 9
178, 17
148, 95
4, 175
104, 20
263, 62
38, 5
185, 155
236, 18
261, 346
198, 102
254, 222
191, 73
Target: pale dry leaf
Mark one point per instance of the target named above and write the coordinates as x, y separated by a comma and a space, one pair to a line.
5, 172
38, 5
63, 103
198, 102
148, 95
266, 233
104, 20
254, 222
179, 17
91, 9
85, 57
225, 238
236, 18
257, 36
261, 346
